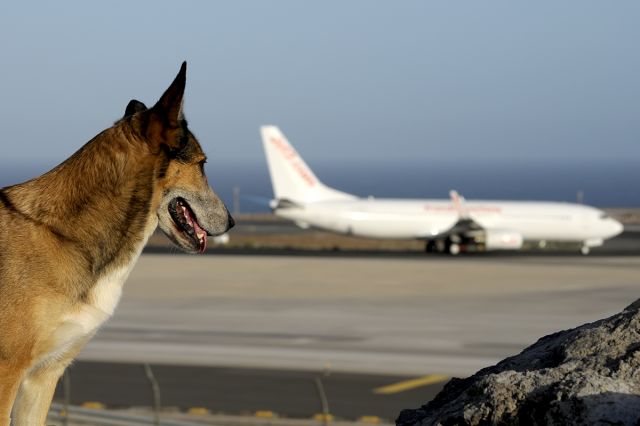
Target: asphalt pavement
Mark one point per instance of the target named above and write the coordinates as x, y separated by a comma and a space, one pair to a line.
237, 391
239, 333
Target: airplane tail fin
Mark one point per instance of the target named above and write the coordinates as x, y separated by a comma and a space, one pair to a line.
291, 178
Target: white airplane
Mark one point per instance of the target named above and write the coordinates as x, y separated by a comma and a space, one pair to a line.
445, 225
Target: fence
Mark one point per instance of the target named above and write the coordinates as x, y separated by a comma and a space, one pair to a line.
65, 412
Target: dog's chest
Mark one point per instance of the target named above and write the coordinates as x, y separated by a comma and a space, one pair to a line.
77, 326
105, 293
102, 299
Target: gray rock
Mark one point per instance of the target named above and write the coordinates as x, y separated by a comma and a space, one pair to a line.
589, 375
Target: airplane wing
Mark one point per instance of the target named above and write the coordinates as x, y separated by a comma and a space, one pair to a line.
465, 223
466, 230
462, 226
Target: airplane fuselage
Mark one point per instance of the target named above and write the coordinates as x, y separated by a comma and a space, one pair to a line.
426, 219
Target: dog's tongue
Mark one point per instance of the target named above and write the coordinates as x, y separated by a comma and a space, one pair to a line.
198, 230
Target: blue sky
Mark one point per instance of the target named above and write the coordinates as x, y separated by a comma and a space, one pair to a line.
347, 81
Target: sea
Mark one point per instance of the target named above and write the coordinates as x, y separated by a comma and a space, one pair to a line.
246, 187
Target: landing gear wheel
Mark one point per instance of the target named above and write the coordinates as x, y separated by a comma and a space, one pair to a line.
585, 250
454, 249
430, 247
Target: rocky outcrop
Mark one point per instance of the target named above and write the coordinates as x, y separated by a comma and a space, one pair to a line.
584, 376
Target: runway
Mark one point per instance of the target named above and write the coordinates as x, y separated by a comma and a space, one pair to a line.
399, 317
237, 391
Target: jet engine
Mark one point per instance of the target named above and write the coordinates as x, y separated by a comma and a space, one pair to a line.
502, 240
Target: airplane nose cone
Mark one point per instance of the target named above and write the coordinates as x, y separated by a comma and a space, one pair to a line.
616, 228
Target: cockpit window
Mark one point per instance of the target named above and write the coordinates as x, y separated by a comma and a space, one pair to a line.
604, 216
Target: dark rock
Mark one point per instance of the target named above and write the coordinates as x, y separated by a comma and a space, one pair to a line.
589, 375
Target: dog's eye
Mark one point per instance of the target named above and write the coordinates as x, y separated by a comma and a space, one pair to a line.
202, 163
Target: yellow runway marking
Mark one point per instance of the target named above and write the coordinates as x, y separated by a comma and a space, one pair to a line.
373, 420
93, 405
410, 384
265, 414
321, 417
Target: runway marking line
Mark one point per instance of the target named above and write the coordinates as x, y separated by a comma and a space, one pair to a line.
373, 420
410, 384
322, 417
93, 405
265, 414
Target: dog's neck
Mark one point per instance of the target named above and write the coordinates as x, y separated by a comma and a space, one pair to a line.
101, 200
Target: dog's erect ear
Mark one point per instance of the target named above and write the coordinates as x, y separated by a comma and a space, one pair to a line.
170, 104
134, 106
166, 115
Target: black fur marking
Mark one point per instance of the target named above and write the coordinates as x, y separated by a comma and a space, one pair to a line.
84, 296
79, 204
133, 107
7, 203
184, 134
189, 149
162, 170
144, 124
134, 220
12, 208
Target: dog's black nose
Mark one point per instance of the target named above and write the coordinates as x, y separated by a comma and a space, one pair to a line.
230, 222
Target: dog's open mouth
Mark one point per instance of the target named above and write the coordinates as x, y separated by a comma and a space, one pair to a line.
186, 222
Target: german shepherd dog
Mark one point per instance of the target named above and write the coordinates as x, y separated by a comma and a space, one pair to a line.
69, 238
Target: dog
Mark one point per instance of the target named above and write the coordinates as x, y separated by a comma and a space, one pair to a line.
69, 238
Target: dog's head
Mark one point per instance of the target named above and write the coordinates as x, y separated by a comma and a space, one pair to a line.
188, 209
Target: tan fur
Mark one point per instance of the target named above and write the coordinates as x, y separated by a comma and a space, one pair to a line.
69, 238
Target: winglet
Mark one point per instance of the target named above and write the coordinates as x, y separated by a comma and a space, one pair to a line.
459, 204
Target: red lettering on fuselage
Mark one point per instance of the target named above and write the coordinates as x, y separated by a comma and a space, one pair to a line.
292, 157
470, 209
